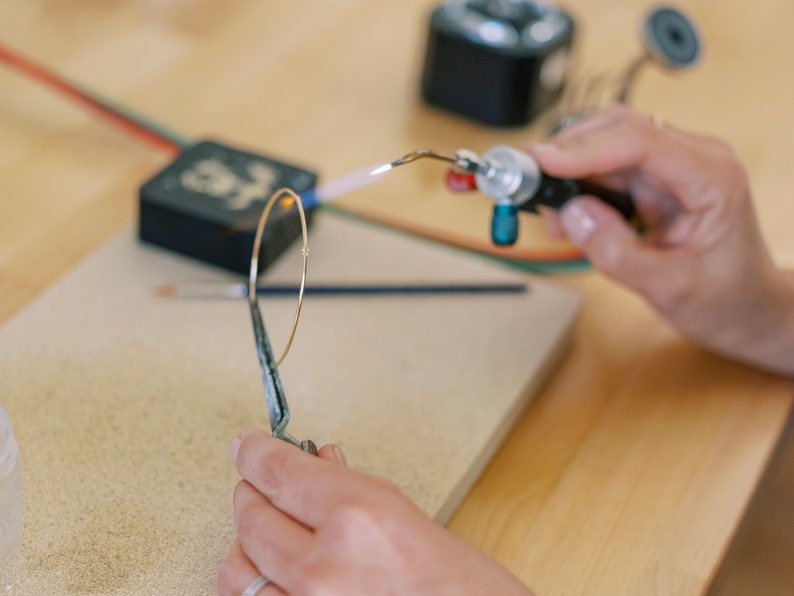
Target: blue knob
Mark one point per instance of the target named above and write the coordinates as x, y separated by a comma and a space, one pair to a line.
504, 225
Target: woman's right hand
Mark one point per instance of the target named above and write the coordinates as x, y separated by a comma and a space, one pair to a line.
701, 261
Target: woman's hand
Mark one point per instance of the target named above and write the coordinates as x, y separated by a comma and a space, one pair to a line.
313, 526
701, 261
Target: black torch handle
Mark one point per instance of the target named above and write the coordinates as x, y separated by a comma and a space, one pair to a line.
555, 192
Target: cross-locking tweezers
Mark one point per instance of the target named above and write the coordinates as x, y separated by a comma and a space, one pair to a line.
274, 392
277, 407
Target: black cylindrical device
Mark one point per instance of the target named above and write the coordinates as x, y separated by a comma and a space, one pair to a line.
498, 62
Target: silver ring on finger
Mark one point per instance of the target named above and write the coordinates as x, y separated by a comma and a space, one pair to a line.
257, 584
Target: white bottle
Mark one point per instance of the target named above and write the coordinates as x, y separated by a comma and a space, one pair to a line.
10, 497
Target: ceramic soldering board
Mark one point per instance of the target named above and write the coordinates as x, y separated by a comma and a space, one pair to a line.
124, 403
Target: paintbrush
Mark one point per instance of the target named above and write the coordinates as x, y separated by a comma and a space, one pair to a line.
221, 290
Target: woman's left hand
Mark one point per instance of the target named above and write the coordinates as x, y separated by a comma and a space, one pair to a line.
313, 526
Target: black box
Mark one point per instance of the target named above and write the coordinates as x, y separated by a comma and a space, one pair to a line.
207, 202
497, 62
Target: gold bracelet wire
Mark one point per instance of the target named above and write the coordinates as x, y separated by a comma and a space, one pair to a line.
281, 194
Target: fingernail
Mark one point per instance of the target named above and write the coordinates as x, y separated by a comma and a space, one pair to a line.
234, 448
340, 456
542, 148
577, 222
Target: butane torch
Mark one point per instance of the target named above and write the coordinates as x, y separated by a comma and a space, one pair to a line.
516, 183
510, 177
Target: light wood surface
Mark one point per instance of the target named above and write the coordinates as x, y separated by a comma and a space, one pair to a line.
631, 472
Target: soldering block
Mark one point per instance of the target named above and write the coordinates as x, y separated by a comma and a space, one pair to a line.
206, 204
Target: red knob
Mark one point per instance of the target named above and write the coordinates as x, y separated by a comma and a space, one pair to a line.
457, 182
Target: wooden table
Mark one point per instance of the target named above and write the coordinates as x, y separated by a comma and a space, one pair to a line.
631, 472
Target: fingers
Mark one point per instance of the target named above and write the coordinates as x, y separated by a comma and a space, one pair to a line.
634, 154
613, 141
289, 478
611, 245
237, 574
270, 538
606, 240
